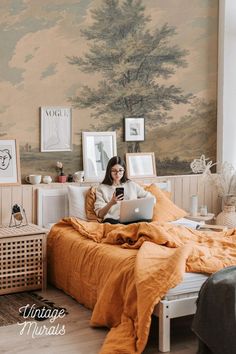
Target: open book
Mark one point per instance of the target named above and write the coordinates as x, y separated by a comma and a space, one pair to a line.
199, 225
189, 223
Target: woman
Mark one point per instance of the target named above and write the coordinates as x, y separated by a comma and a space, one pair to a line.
106, 205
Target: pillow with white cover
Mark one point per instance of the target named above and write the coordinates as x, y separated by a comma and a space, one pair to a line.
76, 196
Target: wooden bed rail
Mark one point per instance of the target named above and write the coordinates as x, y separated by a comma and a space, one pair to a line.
182, 187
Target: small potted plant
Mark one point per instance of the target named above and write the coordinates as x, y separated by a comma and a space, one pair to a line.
61, 177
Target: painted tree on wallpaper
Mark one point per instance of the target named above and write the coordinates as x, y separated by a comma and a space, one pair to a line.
133, 63
193, 135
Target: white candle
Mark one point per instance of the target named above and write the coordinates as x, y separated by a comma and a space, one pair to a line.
193, 205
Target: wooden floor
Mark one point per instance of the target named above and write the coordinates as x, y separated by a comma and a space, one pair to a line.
80, 338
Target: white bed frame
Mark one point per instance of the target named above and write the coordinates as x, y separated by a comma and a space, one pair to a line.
167, 309
52, 205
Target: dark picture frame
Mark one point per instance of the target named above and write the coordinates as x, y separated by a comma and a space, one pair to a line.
134, 129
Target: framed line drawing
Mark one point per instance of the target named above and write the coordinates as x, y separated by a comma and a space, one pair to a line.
140, 165
98, 148
134, 129
9, 162
56, 128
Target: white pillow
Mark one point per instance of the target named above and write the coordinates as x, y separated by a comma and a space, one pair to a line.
76, 197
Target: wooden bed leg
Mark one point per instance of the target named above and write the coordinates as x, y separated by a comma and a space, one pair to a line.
164, 328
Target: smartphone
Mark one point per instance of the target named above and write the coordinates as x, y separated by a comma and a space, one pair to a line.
119, 191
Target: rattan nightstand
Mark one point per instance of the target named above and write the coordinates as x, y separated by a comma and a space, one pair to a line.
22, 259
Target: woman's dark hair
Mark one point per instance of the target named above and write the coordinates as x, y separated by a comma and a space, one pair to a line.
115, 160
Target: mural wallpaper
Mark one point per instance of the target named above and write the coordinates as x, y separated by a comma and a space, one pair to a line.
111, 59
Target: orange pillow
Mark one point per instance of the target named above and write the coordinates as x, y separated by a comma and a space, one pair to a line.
164, 210
167, 194
89, 204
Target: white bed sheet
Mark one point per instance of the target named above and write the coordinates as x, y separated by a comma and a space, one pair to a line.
191, 283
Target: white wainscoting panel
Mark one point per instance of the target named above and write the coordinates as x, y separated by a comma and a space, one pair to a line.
15, 195
182, 187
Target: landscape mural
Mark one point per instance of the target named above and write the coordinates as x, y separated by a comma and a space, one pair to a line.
111, 59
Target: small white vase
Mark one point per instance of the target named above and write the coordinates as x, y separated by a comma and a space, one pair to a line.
47, 179
227, 217
78, 176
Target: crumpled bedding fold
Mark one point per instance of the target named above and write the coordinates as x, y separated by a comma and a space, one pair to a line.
122, 271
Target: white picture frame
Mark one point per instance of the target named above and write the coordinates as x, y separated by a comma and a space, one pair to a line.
98, 148
140, 165
134, 129
56, 128
9, 162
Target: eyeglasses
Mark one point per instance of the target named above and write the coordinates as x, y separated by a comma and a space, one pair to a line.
117, 171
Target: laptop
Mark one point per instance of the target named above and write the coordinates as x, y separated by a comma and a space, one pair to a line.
136, 210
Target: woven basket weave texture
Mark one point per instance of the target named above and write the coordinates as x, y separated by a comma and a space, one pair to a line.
227, 217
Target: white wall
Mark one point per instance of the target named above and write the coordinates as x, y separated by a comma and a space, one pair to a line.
226, 130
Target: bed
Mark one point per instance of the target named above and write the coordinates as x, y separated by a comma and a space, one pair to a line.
72, 243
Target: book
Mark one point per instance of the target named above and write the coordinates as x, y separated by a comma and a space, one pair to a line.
213, 227
189, 223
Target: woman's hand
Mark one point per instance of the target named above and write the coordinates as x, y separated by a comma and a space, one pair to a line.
102, 212
116, 199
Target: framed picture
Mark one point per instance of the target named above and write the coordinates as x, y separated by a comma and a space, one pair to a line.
134, 129
9, 162
141, 165
98, 148
56, 129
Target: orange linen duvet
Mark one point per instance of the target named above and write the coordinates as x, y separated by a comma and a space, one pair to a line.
122, 271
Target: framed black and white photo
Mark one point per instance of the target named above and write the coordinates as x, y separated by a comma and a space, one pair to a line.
56, 129
140, 165
134, 129
9, 162
98, 148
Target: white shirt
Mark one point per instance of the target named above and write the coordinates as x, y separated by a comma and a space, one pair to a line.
105, 192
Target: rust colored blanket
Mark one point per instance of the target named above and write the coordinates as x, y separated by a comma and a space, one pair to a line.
122, 271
